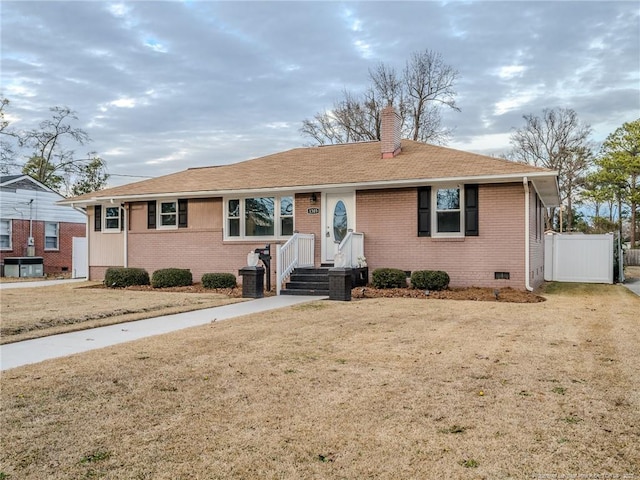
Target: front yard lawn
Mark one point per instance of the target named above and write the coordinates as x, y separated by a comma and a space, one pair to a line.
381, 388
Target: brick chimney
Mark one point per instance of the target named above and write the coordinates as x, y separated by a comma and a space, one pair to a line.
390, 132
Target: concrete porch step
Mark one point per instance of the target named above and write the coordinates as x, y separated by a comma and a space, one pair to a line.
302, 291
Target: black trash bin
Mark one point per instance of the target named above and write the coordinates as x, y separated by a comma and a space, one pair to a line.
252, 282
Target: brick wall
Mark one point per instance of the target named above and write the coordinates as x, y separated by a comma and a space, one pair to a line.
55, 261
388, 218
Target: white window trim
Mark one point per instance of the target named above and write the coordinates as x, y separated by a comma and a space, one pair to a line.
105, 229
159, 214
434, 214
10, 247
277, 218
57, 248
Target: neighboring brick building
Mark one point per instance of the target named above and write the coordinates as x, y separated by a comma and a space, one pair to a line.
33, 224
401, 203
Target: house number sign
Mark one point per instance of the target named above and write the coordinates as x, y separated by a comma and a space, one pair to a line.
313, 210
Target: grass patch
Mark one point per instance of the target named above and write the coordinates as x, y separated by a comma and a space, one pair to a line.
223, 400
454, 429
579, 289
97, 456
470, 463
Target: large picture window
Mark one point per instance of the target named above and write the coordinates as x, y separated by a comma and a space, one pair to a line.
259, 217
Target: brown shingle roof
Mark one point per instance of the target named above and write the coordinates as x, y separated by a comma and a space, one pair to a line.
356, 163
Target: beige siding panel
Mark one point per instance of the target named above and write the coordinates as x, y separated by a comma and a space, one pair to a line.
138, 216
105, 249
205, 213
536, 240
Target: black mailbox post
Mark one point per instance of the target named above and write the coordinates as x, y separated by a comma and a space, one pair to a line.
265, 258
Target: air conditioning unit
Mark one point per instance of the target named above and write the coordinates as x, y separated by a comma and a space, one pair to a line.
30, 242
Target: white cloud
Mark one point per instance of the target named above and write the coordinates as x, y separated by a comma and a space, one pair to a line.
508, 72
517, 99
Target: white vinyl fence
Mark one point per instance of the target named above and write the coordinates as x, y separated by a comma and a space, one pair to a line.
79, 260
578, 258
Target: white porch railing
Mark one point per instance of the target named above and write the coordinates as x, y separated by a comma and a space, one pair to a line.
351, 247
297, 252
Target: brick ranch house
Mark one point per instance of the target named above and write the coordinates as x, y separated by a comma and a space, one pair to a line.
400, 203
33, 224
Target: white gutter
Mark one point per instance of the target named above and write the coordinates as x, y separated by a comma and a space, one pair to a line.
88, 246
125, 219
527, 247
379, 184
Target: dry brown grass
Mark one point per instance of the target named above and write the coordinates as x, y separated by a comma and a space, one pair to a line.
38, 312
376, 388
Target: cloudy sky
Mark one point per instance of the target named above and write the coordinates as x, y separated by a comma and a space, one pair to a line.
163, 86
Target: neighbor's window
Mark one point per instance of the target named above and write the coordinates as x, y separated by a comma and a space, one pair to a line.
51, 235
259, 217
112, 219
5, 234
448, 211
168, 215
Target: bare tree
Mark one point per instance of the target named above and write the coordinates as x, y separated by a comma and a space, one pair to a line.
419, 94
429, 86
8, 138
50, 160
559, 141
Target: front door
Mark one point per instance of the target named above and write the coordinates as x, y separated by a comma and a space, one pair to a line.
339, 218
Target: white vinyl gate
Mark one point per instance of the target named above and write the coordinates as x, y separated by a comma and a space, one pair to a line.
578, 258
79, 267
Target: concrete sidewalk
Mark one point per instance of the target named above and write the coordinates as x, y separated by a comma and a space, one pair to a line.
33, 351
39, 283
633, 284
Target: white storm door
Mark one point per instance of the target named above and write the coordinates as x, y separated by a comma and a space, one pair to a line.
339, 217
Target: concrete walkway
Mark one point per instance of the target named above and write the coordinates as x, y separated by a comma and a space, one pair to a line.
39, 283
633, 284
37, 350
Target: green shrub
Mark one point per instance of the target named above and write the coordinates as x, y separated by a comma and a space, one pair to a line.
171, 277
389, 278
430, 280
117, 277
219, 280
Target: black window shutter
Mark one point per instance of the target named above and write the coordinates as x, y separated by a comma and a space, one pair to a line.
97, 220
182, 213
151, 214
121, 218
424, 211
471, 210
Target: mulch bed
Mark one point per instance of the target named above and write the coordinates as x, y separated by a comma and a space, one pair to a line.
470, 293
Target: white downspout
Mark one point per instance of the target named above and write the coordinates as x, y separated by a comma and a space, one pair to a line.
527, 247
125, 219
86, 234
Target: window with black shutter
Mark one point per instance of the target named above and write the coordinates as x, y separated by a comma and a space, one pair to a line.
182, 213
151, 214
471, 210
97, 219
424, 211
